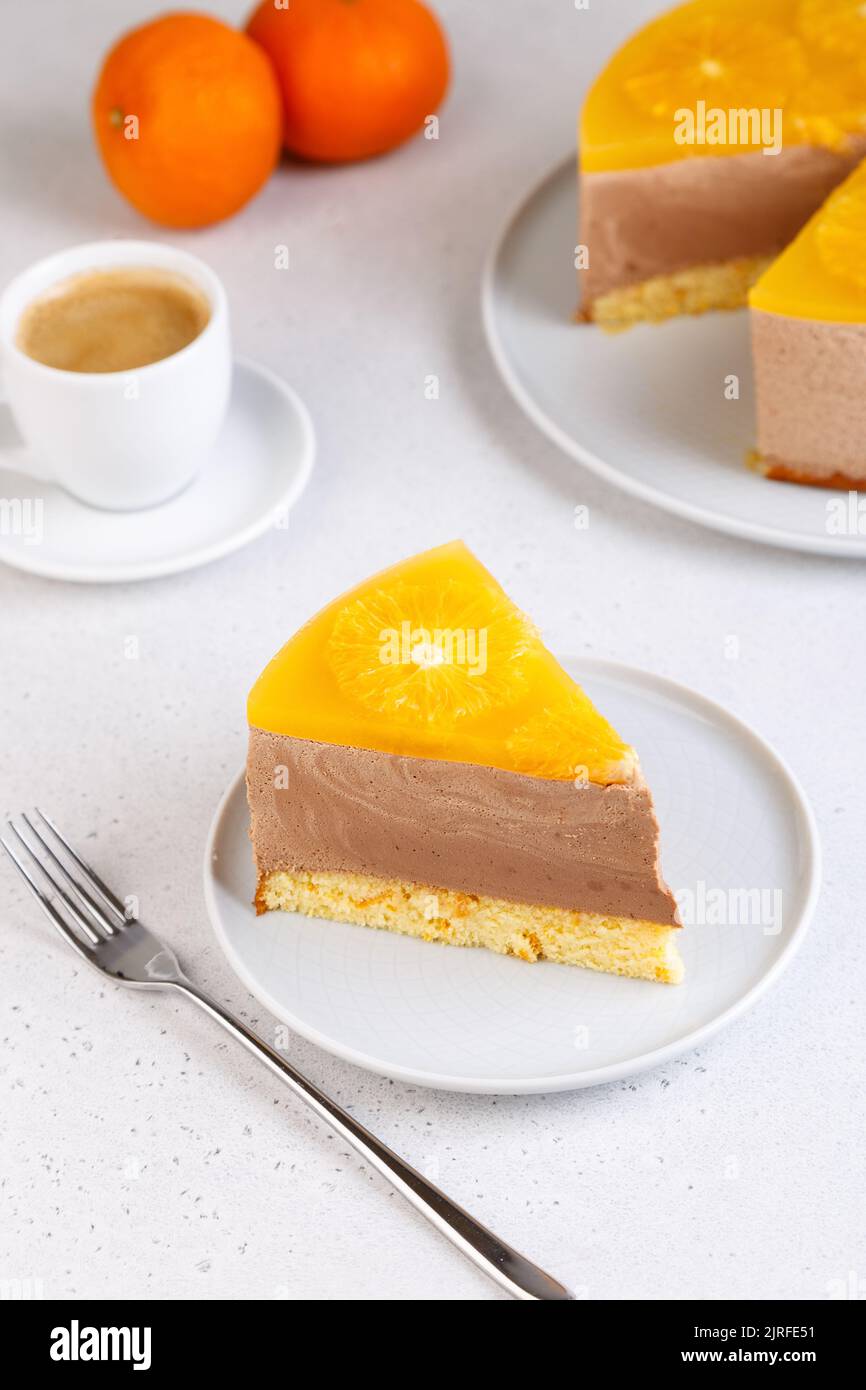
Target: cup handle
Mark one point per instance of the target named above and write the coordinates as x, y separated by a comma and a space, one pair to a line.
14, 451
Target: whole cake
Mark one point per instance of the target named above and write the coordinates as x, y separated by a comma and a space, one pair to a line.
420, 762
706, 145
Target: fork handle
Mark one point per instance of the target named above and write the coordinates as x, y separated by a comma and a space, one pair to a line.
511, 1270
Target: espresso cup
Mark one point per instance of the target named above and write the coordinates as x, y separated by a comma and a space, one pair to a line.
120, 440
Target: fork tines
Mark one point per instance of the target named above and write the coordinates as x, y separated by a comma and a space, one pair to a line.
82, 908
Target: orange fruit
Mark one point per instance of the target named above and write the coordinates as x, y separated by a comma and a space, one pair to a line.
187, 115
358, 77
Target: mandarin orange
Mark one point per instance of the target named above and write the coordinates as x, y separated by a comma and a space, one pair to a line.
358, 77
187, 115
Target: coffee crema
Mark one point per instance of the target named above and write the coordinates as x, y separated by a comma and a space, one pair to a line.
113, 320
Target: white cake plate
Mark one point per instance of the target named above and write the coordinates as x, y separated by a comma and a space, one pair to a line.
737, 834
647, 409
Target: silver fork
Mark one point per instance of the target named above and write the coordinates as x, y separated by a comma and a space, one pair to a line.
93, 921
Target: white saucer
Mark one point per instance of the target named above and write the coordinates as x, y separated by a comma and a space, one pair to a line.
645, 409
732, 817
260, 466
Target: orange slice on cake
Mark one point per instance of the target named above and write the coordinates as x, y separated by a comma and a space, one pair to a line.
840, 232
700, 56
834, 26
431, 652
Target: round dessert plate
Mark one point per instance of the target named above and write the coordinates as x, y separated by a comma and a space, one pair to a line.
739, 847
259, 467
665, 412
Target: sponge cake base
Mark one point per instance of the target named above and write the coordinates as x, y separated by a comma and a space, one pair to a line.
615, 945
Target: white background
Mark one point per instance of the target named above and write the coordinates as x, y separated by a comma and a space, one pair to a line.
145, 1153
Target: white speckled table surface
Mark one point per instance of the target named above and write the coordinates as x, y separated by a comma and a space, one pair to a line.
143, 1153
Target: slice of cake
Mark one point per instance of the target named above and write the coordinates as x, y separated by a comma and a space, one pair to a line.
706, 143
809, 344
419, 762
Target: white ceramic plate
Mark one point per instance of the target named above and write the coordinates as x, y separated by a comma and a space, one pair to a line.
732, 817
645, 409
260, 466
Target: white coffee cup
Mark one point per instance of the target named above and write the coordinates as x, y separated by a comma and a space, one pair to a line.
118, 440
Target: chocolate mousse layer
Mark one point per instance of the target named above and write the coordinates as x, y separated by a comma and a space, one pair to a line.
810, 379
707, 210
321, 807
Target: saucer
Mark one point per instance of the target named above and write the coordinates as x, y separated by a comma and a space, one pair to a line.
259, 467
